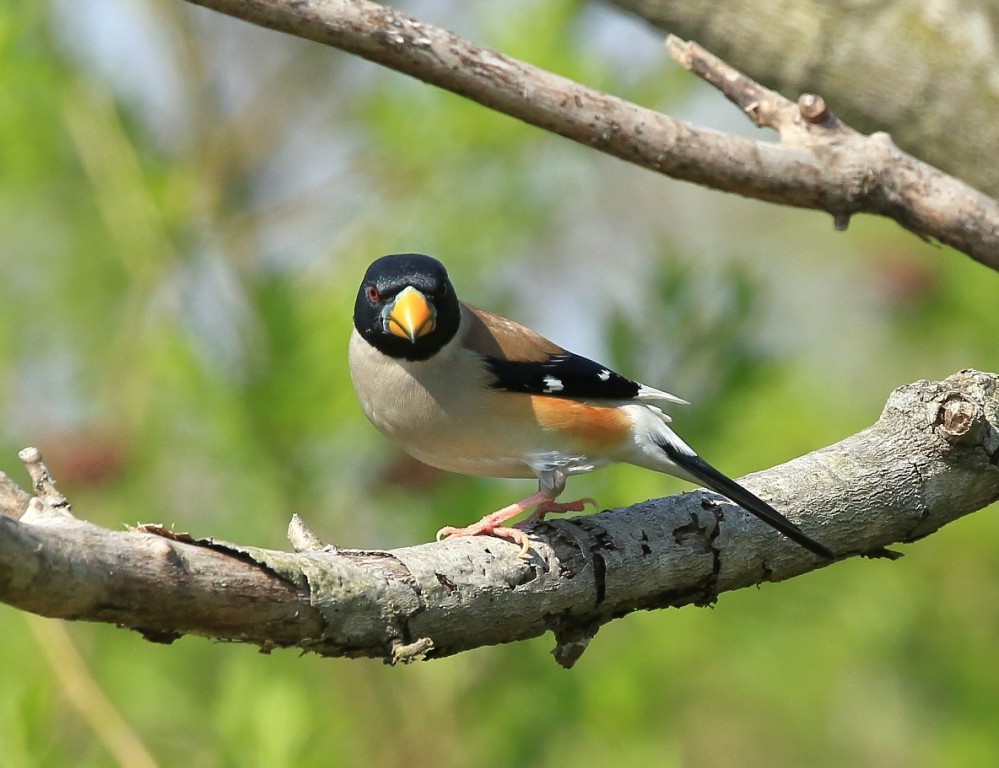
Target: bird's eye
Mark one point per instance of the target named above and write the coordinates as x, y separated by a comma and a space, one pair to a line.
373, 293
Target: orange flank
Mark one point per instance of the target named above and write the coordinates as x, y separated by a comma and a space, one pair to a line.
600, 428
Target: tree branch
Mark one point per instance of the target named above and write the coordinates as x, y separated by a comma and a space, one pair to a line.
931, 458
819, 164
893, 65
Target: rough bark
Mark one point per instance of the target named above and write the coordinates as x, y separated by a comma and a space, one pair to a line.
924, 71
819, 164
931, 458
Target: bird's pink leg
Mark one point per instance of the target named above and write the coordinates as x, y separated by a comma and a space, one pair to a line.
492, 524
557, 507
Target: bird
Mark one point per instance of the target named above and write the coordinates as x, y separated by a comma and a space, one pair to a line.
469, 391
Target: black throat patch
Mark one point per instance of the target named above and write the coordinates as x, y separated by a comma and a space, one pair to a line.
383, 281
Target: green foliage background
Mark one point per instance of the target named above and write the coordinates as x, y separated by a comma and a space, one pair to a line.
186, 206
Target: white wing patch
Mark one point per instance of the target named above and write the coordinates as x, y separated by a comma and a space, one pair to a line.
552, 384
604, 375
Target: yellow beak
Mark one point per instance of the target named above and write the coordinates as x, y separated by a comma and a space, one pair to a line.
410, 316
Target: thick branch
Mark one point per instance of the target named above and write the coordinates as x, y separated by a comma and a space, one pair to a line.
825, 167
931, 458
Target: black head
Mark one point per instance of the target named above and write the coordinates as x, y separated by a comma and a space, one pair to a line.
410, 324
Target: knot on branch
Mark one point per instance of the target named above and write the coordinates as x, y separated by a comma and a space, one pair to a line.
958, 419
958, 413
812, 108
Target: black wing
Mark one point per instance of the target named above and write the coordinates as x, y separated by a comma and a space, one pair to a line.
562, 375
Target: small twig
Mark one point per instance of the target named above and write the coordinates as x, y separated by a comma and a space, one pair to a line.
760, 103
47, 501
303, 538
868, 174
41, 479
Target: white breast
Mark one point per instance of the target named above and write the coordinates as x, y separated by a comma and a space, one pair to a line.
421, 407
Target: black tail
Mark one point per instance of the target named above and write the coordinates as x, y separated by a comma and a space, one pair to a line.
716, 481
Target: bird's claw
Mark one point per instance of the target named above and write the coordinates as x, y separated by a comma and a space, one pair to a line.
513, 535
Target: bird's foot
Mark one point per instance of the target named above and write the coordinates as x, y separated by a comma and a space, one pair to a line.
492, 524
514, 535
557, 507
